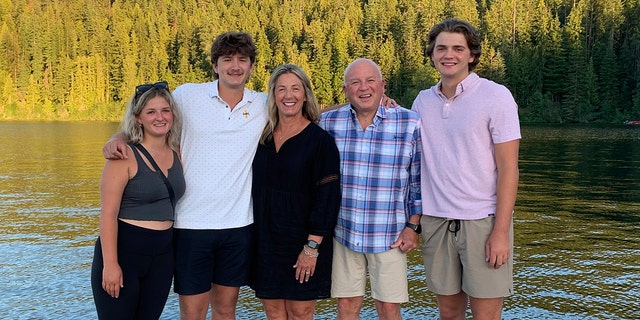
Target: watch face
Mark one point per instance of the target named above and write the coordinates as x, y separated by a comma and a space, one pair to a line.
312, 244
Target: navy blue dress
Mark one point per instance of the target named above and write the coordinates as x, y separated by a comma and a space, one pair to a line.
296, 192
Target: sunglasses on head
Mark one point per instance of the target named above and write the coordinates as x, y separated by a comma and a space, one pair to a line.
147, 86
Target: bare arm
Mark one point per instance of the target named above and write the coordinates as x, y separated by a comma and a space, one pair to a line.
498, 248
115, 148
115, 176
333, 107
386, 102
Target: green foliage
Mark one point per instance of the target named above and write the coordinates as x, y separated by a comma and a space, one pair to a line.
564, 61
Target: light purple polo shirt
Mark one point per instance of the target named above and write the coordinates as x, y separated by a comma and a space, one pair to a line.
458, 169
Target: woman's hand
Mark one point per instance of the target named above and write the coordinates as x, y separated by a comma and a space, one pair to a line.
112, 280
306, 264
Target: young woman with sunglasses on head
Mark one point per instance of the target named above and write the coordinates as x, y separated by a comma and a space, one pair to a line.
133, 261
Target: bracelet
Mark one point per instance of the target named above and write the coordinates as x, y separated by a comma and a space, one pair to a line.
310, 254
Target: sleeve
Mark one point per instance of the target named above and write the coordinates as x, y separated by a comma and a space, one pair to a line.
327, 192
504, 123
417, 104
415, 196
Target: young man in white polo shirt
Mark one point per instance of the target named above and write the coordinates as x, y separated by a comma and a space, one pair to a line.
223, 121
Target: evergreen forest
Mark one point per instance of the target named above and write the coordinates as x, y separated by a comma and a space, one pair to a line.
565, 61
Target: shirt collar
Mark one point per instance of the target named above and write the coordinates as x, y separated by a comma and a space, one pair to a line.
465, 84
381, 113
247, 96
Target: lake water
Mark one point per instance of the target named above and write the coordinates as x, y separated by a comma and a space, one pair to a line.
577, 230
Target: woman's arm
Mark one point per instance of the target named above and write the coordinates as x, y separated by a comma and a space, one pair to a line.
115, 177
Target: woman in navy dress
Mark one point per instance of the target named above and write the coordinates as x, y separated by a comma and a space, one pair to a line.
296, 193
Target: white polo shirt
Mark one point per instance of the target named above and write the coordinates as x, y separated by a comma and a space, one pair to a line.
217, 146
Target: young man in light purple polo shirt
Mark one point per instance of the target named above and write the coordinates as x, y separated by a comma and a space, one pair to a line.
469, 175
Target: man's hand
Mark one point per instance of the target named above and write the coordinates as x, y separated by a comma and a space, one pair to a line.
407, 241
388, 102
115, 148
497, 249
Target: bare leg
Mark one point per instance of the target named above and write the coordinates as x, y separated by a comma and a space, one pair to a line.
194, 307
453, 307
486, 309
349, 308
388, 310
300, 310
223, 302
275, 309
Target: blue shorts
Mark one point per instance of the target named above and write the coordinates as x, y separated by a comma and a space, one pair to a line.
206, 257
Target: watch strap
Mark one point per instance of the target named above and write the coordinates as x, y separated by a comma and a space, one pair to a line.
415, 227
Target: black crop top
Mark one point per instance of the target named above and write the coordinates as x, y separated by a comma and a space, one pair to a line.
146, 196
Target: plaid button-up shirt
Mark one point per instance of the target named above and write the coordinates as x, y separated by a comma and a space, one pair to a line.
380, 169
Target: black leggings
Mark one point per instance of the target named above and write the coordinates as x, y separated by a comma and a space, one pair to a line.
146, 259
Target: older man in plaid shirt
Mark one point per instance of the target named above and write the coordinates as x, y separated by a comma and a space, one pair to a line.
379, 218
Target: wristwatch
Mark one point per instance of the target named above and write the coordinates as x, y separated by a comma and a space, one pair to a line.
312, 244
415, 227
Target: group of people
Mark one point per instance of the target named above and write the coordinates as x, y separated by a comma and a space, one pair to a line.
266, 190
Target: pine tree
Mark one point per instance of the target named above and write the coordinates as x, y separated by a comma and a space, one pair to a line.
57, 56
